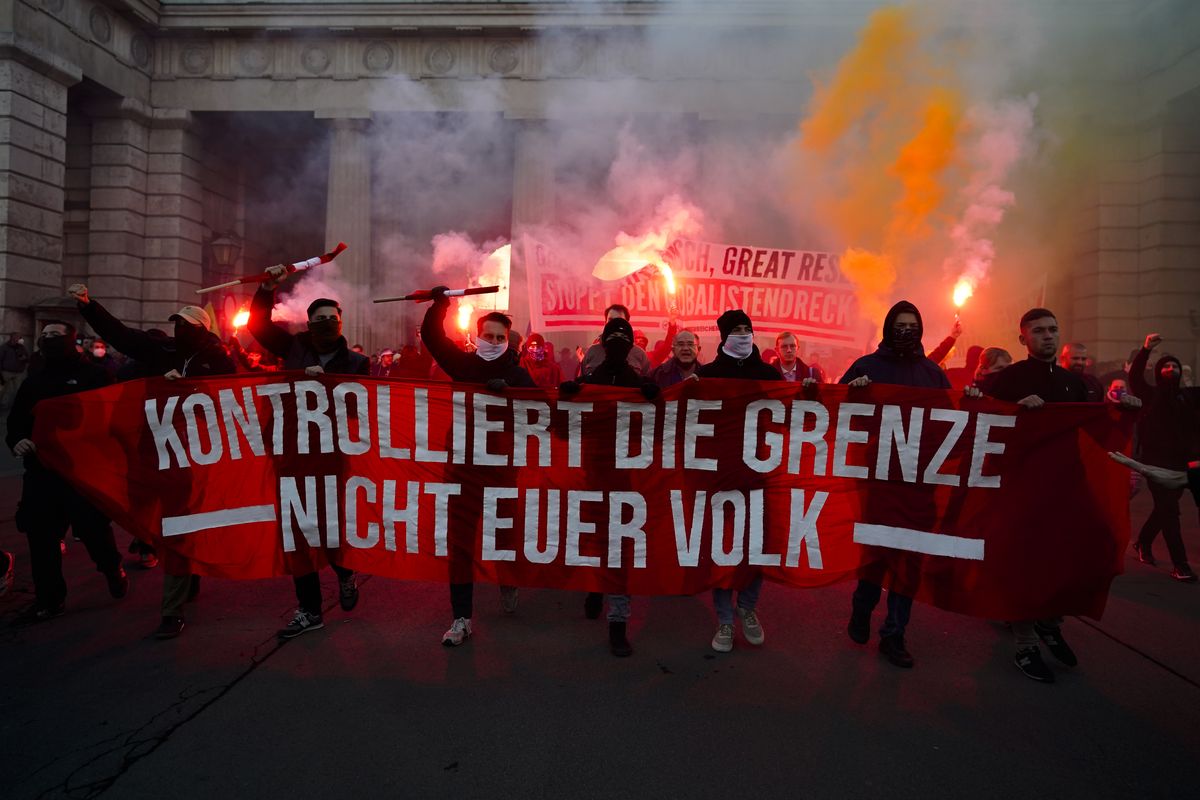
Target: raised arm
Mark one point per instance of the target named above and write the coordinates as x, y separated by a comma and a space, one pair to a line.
433, 335
269, 334
133, 343
1137, 369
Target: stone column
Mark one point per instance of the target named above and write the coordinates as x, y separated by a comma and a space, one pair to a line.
33, 127
174, 216
532, 205
117, 222
348, 219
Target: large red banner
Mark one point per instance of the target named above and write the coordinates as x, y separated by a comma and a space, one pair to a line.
802, 291
969, 504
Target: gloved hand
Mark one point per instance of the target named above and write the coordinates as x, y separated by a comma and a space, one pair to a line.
569, 387
497, 384
439, 294
649, 390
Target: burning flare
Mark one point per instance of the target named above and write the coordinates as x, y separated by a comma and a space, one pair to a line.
465, 310
962, 292
241, 318
495, 271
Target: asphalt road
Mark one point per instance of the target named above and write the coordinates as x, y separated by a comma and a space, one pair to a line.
535, 707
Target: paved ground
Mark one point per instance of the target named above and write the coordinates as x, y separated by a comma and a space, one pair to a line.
535, 707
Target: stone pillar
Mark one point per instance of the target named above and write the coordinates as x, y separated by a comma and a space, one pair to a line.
348, 219
117, 222
174, 217
33, 127
532, 205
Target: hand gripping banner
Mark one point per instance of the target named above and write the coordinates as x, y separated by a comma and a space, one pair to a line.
969, 504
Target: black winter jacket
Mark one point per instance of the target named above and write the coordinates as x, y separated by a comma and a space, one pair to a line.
467, 367
886, 365
750, 368
297, 349
56, 378
158, 355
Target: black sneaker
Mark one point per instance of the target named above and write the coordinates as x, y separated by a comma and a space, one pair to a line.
1056, 644
118, 583
1183, 573
303, 622
348, 593
894, 650
617, 642
1030, 662
1144, 555
169, 628
592, 604
43, 613
859, 627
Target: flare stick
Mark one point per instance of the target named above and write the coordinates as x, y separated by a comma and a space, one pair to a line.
426, 295
298, 266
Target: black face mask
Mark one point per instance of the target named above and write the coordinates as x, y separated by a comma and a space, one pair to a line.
325, 332
55, 347
617, 350
906, 341
189, 337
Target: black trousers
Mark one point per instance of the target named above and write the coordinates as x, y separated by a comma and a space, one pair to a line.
462, 599
1165, 517
48, 508
308, 588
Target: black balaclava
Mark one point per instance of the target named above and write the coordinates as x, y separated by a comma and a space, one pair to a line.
325, 334
189, 338
57, 348
1160, 381
616, 349
910, 344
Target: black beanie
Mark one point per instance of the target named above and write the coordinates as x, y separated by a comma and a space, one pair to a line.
617, 325
730, 320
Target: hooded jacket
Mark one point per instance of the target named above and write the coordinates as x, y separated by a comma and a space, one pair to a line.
1169, 425
888, 365
297, 349
467, 367
159, 355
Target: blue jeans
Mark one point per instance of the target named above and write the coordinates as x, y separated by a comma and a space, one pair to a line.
866, 597
747, 599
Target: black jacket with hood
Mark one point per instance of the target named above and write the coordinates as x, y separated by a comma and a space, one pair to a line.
297, 349
750, 368
1169, 425
888, 365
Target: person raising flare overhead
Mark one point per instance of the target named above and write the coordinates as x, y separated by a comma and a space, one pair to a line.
614, 370
319, 350
1031, 384
49, 505
595, 354
495, 365
899, 360
193, 352
1168, 436
738, 358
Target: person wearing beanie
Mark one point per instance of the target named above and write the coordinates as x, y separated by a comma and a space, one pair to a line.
899, 360
1168, 437
614, 370
596, 354
319, 349
194, 351
738, 358
49, 505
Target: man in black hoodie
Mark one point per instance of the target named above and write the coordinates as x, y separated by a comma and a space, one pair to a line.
899, 360
614, 370
1031, 384
193, 352
738, 358
320, 349
49, 505
497, 366
1168, 436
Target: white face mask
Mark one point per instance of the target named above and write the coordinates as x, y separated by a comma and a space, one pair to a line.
488, 351
98, 352
739, 345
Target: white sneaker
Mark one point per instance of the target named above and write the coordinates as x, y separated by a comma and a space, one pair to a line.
509, 596
459, 632
723, 640
751, 627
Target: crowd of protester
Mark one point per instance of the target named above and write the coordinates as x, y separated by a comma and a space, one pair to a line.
1168, 430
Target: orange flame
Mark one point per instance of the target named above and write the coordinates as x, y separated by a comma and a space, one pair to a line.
962, 292
241, 319
668, 276
496, 270
465, 310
